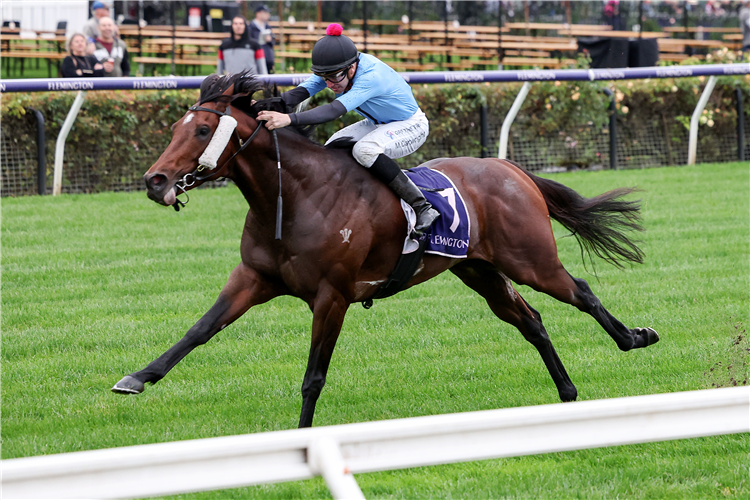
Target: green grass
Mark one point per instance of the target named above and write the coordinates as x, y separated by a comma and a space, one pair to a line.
96, 286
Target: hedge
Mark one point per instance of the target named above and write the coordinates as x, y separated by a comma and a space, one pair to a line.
118, 135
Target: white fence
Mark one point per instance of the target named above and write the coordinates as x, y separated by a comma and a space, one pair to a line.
338, 452
43, 15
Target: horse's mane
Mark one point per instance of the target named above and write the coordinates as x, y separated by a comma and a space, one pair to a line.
245, 86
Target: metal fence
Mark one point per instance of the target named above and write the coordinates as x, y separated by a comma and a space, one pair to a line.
95, 170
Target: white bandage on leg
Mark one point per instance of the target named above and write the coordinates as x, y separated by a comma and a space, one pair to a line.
218, 143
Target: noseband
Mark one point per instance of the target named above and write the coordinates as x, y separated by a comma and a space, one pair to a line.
189, 179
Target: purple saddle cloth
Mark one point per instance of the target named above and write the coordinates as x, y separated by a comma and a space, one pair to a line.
449, 234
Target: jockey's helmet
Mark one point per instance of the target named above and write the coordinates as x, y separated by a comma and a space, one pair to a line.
334, 52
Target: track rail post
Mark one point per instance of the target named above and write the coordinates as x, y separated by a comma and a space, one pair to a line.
324, 457
695, 119
61, 137
505, 130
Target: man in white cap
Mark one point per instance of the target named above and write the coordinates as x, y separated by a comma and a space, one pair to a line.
260, 31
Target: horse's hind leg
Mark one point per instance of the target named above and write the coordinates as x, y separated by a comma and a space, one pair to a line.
556, 282
626, 338
510, 307
244, 289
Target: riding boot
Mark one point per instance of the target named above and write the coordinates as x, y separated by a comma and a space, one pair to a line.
389, 172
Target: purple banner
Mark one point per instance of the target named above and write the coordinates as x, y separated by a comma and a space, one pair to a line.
193, 82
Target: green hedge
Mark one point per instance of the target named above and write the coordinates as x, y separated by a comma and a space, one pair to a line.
118, 135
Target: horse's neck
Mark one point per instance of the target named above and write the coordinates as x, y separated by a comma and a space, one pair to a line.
303, 164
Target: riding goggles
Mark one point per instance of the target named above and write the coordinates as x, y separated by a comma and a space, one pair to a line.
335, 77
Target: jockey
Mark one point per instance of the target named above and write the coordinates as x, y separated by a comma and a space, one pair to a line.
393, 127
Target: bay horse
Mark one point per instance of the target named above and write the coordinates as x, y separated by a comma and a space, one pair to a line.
327, 194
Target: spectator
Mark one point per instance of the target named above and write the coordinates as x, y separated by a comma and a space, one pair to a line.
240, 53
612, 14
110, 51
79, 63
261, 31
91, 28
745, 22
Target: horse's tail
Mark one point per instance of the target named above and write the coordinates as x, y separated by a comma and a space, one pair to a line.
600, 224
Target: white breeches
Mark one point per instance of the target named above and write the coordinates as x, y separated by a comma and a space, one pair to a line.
395, 139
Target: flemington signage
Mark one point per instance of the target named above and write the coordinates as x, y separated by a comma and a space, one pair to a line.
42, 85
71, 84
158, 84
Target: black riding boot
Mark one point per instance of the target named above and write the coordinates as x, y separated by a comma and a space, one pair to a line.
391, 174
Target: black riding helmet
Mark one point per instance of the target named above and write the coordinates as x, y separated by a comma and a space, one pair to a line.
333, 52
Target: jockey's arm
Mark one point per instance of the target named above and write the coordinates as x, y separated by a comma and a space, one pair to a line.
315, 116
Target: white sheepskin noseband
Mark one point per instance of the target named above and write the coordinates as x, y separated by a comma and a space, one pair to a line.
218, 143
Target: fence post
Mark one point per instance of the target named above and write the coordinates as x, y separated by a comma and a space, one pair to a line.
695, 119
505, 130
324, 457
740, 125
41, 153
60, 146
484, 131
612, 129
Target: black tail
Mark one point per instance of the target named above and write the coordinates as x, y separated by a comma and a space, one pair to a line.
600, 223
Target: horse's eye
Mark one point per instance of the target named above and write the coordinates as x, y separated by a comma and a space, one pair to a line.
203, 131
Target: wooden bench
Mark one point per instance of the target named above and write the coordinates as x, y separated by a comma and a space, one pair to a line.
538, 62
700, 29
23, 55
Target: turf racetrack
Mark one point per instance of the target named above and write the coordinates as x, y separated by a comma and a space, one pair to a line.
96, 286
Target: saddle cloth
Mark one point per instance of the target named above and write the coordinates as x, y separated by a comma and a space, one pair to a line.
449, 234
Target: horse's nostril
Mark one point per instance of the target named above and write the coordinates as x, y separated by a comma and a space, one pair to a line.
156, 181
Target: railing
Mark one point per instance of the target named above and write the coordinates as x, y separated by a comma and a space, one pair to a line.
526, 76
338, 452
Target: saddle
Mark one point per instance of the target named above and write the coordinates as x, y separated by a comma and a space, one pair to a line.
448, 236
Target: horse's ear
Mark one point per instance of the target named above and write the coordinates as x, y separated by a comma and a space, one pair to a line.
207, 85
243, 102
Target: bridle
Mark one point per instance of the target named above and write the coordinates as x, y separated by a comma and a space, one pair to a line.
189, 179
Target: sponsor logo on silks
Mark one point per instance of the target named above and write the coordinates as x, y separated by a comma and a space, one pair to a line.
390, 134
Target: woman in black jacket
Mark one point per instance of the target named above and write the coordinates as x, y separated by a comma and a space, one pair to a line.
78, 63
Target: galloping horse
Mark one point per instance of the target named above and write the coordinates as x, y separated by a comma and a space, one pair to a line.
326, 192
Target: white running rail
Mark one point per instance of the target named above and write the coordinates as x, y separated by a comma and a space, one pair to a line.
338, 452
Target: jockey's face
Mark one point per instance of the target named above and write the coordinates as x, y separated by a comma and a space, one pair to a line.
340, 83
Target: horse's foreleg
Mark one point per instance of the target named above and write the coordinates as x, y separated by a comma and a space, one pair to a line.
510, 307
244, 289
328, 316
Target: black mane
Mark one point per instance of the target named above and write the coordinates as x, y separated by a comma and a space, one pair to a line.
245, 86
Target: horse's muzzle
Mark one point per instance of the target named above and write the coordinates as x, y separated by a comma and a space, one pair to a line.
156, 185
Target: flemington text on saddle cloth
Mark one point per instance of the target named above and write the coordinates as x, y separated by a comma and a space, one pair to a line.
449, 234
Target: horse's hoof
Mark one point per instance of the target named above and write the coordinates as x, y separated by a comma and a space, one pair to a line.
648, 335
128, 385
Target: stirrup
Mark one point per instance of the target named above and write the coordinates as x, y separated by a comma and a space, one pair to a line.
425, 219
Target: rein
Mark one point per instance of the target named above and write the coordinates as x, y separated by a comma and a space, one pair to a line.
191, 178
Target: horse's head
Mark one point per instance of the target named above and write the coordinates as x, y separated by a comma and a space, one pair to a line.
205, 139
